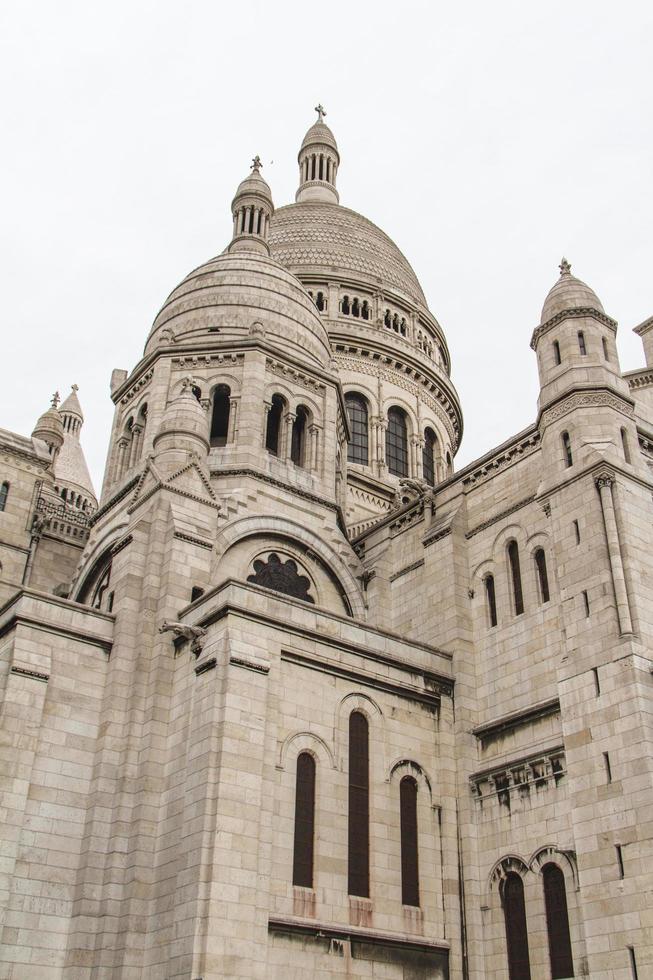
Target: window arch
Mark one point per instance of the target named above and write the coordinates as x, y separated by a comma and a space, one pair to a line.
514, 911
566, 449
428, 456
298, 437
357, 449
359, 806
302, 868
605, 348
491, 597
4, 493
515, 574
542, 577
409, 845
557, 922
273, 425
396, 442
220, 415
582, 346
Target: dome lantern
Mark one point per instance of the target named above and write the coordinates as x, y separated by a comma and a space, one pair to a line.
252, 209
318, 163
49, 427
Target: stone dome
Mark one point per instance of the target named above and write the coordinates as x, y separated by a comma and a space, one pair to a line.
235, 295
49, 428
569, 293
329, 240
253, 184
319, 134
184, 416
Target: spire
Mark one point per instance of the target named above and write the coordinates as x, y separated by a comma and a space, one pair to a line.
319, 160
252, 209
70, 468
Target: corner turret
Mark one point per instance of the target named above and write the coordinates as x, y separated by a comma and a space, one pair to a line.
49, 428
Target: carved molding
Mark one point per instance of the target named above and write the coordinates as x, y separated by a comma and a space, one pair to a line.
641, 380
284, 370
500, 516
34, 675
583, 311
200, 542
490, 467
136, 387
206, 360
586, 399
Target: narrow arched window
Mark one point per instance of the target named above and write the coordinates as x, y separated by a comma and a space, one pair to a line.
625, 446
542, 577
320, 302
365, 310
557, 922
581, 343
428, 456
302, 865
396, 442
515, 574
359, 806
273, 426
357, 449
566, 449
345, 305
4, 493
514, 911
490, 595
605, 349
298, 437
220, 415
355, 307
387, 319
557, 359
409, 848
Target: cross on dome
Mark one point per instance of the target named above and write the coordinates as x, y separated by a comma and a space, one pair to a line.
56, 398
321, 111
75, 387
256, 164
565, 267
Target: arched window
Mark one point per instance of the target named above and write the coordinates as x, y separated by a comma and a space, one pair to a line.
566, 449
365, 310
581, 343
557, 359
345, 305
4, 493
428, 456
320, 302
396, 442
491, 597
298, 437
514, 911
359, 806
220, 415
605, 349
625, 446
355, 308
515, 574
357, 450
557, 922
542, 577
302, 864
102, 597
273, 427
387, 319
409, 850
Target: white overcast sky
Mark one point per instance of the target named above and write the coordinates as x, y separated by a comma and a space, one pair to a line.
486, 138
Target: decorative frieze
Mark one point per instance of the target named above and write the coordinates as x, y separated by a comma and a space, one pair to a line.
515, 780
131, 393
599, 398
506, 457
283, 370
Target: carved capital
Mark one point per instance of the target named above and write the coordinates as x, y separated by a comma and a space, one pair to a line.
604, 479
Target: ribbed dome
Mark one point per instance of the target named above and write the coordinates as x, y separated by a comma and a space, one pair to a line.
569, 293
49, 428
253, 184
329, 240
223, 299
319, 133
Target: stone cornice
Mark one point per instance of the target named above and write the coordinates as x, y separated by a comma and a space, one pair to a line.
500, 516
579, 312
522, 445
639, 379
516, 719
313, 927
643, 327
591, 397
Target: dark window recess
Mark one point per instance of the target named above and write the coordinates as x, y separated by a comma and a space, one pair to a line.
625, 446
220, 415
633, 962
491, 599
605, 348
298, 437
428, 457
409, 850
608, 768
282, 576
556, 352
577, 530
514, 911
4, 493
557, 922
581, 343
515, 574
196, 593
620, 860
543, 579
357, 449
273, 427
302, 865
359, 806
396, 443
566, 449
586, 602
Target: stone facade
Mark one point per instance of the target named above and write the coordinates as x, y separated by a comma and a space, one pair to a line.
282, 545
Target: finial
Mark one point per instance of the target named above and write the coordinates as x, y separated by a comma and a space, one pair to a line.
565, 267
256, 164
75, 387
56, 398
321, 112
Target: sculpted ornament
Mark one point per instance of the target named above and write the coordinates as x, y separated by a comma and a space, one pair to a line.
195, 634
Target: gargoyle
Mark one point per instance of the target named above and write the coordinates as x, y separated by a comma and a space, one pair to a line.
195, 634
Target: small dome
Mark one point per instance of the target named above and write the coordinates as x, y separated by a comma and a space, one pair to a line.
49, 427
569, 293
255, 185
184, 416
320, 134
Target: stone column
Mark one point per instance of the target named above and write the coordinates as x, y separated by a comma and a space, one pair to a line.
290, 418
267, 406
604, 482
233, 416
134, 454
314, 433
121, 457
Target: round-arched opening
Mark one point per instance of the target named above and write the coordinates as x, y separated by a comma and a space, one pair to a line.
220, 415
396, 442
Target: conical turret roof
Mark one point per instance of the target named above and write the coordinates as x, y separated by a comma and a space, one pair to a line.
70, 468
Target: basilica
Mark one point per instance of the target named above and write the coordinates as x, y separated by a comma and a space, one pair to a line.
296, 698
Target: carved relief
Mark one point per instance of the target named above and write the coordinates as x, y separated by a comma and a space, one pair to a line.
587, 399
